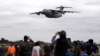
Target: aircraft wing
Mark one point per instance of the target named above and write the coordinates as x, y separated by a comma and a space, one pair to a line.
63, 12
71, 11
38, 13
67, 11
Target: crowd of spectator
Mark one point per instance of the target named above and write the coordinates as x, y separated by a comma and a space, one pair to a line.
61, 46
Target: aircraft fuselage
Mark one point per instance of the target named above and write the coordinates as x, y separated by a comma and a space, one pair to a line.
51, 14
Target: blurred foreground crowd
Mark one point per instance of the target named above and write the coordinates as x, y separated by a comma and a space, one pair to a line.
61, 46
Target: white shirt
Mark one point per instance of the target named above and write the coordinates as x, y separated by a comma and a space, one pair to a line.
36, 49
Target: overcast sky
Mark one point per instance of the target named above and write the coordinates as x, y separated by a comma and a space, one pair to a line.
15, 20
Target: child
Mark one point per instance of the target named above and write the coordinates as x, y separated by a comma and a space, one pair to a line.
70, 52
83, 53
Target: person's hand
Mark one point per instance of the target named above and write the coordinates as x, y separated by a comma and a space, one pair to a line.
29, 37
56, 33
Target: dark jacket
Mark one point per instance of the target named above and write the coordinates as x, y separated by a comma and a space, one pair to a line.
3, 51
62, 45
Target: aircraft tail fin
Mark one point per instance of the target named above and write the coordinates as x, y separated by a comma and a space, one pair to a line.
62, 7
